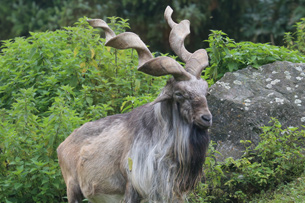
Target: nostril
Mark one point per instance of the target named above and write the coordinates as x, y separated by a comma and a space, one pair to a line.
206, 118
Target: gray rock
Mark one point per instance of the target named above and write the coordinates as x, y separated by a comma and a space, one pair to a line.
242, 102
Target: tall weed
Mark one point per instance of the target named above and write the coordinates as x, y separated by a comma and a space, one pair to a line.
296, 40
29, 169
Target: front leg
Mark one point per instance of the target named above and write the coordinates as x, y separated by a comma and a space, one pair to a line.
131, 195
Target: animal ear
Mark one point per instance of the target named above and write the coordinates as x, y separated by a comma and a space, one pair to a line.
161, 98
166, 93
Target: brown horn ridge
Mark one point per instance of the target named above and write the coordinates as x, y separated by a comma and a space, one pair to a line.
194, 62
147, 63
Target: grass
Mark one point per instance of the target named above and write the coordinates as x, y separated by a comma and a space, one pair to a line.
292, 192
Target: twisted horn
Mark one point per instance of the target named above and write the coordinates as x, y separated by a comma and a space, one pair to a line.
147, 63
102, 24
194, 63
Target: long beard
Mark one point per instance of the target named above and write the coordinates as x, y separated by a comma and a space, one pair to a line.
191, 171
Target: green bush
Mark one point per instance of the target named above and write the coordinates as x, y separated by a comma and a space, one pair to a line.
74, 57
29, 169
278, 158
228, 56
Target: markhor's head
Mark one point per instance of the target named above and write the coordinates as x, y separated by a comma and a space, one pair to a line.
186, 89
189, 98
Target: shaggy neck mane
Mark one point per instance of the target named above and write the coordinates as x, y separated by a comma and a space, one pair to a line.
173, 147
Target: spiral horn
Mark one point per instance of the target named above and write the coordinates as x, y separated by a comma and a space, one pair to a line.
194, 62
147, 63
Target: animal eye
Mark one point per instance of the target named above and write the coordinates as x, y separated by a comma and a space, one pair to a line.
178, 94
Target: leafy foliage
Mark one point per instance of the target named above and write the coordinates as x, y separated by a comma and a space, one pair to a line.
256, 20
278, 158
18, 17
267, 21
29, 169
227, 56
286, 192
296, 40
74, 58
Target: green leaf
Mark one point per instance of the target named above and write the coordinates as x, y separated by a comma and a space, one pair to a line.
32, 52
17, 186
137, 84
130, 164
89, 100
232, 67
